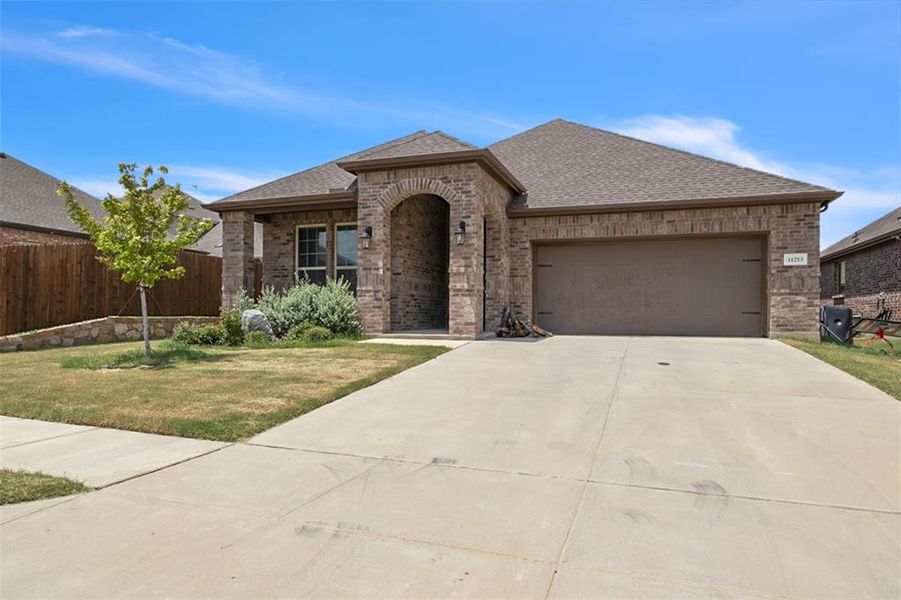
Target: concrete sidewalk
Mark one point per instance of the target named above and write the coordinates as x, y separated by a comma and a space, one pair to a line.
406, 341
95, 456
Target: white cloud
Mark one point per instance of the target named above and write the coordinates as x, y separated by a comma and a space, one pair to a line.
219, 179
206, 183
156, 61
81, 31
869, 193
709, 136
98, 187
197, 70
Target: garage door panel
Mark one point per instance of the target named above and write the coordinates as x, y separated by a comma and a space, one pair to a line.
684, 287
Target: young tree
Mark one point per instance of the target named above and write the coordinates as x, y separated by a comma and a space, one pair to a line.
134, 236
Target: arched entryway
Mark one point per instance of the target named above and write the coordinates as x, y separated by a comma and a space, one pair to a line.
420, 257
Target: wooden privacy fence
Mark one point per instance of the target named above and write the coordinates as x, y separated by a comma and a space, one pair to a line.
47, 285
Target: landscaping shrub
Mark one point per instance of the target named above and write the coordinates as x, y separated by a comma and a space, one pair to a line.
297, 332
183, 333
317, 333
336, 308
287, 308
243, 301
227, 331
332, 306
209, 335
230, 322
256, 339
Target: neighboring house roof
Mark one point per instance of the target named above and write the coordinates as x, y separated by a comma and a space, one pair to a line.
559, 166
211, 243
882, 229
28, 198
564, 164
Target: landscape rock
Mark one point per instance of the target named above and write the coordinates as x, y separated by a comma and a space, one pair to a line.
254, 320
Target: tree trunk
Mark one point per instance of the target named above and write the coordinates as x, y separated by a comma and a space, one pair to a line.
144, 323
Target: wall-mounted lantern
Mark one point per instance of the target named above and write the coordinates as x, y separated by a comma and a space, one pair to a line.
366, 236
460, 233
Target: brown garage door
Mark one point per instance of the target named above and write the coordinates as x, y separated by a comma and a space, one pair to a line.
672, 287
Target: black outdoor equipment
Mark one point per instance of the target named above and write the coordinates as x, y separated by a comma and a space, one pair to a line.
835, 323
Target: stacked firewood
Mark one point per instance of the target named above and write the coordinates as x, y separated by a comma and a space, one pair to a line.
514, 325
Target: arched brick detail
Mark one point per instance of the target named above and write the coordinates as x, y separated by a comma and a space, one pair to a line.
466, 188
406, 188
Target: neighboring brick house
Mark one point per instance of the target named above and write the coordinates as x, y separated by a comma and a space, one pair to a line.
31, 212
863, 270
583, 230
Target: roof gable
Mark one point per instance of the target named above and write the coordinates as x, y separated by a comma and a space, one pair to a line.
320, 179
433, 143
28, 197
565, 164
883, 227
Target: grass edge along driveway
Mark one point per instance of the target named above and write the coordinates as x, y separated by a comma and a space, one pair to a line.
23, 486
225, 394
880, 370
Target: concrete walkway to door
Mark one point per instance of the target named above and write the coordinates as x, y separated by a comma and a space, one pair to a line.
573, 467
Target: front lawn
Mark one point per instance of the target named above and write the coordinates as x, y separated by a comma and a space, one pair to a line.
21, 486
870, 365
217, 393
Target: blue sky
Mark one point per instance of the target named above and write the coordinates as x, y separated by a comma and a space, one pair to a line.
229, 95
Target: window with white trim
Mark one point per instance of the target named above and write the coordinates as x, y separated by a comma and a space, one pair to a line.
312, 251
346, 253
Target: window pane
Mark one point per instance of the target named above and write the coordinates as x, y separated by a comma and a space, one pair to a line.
346, 245
316, 276
311, 247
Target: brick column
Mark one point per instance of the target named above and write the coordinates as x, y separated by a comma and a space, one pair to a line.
373, 273
497, 263
466, 285
237, 255
794, 292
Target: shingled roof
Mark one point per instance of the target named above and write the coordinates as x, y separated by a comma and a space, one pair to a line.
883, 228
28, 197
329, 177
431, 143
562, 165
565, 164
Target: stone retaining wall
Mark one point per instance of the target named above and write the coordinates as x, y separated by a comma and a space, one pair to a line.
95, 331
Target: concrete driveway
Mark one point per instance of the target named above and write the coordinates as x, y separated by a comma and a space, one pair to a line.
567, 468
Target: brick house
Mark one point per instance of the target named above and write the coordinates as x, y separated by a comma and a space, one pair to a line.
30, 210
32, 213
582, 230
863, 270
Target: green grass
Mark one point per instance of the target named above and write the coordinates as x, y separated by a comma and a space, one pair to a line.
876, 368
165, 355
21, 486
300, 343
212, 392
